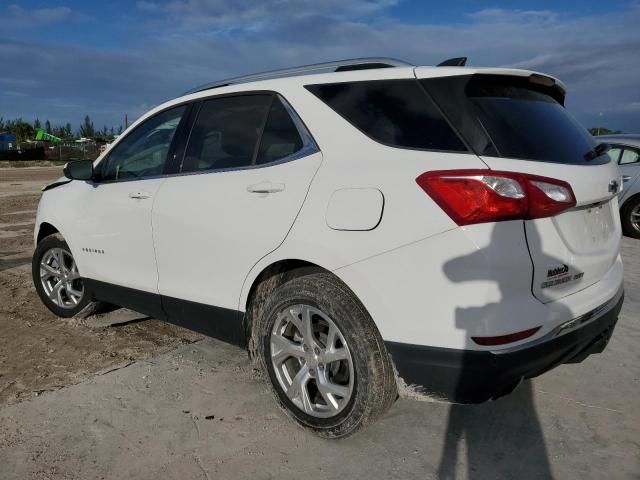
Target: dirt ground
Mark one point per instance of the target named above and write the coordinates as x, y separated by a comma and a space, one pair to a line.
116, 398
38, 351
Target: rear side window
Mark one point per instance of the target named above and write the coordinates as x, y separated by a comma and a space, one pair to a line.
226, 132
397, 113
280, 137
513, 117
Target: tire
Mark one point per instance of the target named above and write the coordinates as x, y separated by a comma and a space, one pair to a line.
338, 397
631, 207
74, 300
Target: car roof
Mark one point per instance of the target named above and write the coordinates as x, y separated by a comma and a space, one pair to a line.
372, 68
375, 68
632, 139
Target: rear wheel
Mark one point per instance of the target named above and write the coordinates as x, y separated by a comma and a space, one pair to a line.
57, 279
630, 217
328, 366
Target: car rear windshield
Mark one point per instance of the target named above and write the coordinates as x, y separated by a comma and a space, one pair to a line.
514, 117
397, 113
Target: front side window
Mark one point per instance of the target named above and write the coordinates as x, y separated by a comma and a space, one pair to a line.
226, 132
629, 156
397, 113
143, 152
614, 153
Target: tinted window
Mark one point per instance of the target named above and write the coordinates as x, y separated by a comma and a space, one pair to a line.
280, 137
614, 153
143, 152
629, 156
226, 132
522, 119
393, 112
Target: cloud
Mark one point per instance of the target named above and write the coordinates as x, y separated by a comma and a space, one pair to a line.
629, 107
201, 41
499, 15
249, 15
19, 16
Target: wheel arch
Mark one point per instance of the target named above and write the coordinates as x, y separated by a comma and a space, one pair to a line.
265, 282
44, 230
271, 277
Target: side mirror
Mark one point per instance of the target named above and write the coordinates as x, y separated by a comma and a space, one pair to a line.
79, 170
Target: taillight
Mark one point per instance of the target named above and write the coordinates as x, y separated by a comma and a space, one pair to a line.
479, 196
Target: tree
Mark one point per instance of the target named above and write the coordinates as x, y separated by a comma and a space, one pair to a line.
603, 131
47, 126
36, 124
86, 129
120, 130
68, 133
58, 131
21, 129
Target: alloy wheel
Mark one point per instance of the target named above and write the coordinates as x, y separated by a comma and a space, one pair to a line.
312, 361
635, 218
60, 278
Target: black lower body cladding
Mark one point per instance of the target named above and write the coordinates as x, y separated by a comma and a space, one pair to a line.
468, 376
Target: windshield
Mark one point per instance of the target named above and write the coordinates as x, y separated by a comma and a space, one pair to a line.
515, 118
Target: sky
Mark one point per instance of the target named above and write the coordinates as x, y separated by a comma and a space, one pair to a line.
63, 59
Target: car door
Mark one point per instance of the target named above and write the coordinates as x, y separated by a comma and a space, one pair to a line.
628, 159
114, 225
244, 176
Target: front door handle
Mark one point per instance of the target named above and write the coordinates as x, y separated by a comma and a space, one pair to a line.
626, 178
139, 195
265, 187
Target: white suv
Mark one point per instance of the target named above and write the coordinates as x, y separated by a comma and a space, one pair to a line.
369, 229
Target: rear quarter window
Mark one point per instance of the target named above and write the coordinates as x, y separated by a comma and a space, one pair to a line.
513, 117
396, 113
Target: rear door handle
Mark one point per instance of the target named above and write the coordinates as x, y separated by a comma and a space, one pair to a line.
265, 187
139, 195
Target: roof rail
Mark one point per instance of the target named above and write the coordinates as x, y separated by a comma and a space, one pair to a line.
337, 66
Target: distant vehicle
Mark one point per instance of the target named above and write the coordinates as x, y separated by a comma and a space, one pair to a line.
8, 141
451, 227
625, 151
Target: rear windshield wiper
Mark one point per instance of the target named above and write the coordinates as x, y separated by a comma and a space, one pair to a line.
598, 150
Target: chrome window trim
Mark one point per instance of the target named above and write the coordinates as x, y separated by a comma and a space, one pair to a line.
309, 145
103, 161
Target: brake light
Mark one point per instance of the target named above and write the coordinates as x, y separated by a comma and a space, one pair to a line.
480, 196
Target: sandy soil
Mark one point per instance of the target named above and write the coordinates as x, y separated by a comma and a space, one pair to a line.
38, 351
83, 400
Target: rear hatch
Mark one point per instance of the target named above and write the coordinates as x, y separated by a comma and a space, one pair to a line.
516, 122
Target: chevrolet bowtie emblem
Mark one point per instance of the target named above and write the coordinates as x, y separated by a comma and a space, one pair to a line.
613, 186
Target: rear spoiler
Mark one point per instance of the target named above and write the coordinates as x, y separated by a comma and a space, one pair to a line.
453, 62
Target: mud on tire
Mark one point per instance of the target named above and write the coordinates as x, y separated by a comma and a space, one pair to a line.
374, 387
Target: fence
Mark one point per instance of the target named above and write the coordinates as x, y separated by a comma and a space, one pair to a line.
64, 152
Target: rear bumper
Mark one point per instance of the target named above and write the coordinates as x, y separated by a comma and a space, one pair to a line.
469, 376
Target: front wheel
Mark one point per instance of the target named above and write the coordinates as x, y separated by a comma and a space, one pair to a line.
57, 280
326, 361
630, 217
